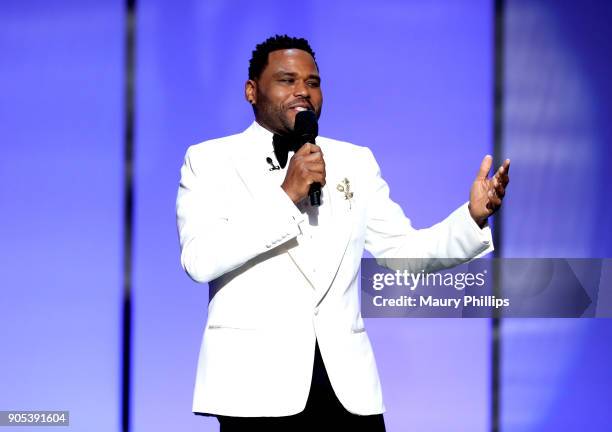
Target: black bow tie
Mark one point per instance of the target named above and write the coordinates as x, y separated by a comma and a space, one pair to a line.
282, 146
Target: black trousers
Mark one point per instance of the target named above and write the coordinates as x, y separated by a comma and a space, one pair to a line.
323, 412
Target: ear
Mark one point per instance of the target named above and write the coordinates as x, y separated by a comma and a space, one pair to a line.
250, 91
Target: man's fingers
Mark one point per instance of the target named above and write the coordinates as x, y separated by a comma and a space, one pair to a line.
485, 167
316, 167
317, 177
304, 150
500, 191
505, 180
313, 157
494, 199
498, 188
506, 177
502, 172
305, 168
506, 166
501, 177
309, 148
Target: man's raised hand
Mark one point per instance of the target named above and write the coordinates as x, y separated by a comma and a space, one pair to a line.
487, 194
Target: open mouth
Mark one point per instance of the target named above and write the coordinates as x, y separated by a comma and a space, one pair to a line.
300, 108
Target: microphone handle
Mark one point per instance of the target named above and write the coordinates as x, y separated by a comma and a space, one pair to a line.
315, 194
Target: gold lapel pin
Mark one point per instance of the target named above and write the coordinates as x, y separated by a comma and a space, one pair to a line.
345, 187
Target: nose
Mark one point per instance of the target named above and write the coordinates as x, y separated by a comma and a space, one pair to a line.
301, 89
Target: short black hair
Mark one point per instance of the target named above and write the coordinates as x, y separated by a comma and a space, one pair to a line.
259, 59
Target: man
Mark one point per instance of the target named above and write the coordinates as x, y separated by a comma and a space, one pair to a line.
285, 346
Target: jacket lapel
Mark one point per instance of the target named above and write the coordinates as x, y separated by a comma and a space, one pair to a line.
336, 236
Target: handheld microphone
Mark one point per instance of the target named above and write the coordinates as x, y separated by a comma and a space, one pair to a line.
306, 130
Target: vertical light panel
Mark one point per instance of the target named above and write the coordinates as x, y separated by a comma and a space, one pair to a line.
411, 80
556, 374
60, 224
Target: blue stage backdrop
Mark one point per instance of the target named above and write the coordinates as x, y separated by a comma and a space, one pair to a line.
411, 80
60, 224
556, 374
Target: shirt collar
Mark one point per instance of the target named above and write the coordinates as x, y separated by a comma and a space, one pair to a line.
259, 145
260, 141
261, 138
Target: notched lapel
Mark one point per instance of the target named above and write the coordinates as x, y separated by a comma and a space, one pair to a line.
250, 170
339, 234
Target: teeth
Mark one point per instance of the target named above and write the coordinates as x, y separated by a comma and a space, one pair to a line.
300, 109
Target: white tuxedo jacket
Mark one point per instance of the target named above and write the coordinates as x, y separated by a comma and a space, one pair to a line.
240, 232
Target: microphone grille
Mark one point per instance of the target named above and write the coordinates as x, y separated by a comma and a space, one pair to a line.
306, 124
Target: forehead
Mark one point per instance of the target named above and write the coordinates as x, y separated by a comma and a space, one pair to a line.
290, 60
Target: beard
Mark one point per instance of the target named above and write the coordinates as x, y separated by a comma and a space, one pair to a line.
277, 118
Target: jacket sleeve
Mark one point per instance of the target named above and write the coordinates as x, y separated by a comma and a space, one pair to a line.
390, 235
215, 239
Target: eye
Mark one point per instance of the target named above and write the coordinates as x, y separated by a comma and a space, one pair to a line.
287, 80
313, 83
